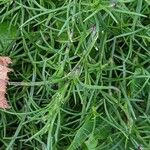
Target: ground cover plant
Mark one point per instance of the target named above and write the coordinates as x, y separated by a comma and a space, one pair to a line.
81, 74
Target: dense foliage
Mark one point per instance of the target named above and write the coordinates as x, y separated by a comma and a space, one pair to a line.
81, 76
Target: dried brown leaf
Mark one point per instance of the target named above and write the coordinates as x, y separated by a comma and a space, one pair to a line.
4, 62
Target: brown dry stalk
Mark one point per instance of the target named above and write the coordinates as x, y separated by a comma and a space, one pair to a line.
4, 62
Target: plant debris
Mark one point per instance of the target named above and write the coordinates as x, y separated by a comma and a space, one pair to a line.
4, 62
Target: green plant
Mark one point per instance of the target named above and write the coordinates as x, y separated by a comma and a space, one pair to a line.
81, 74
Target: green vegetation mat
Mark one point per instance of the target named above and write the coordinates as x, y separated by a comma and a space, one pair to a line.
81, 78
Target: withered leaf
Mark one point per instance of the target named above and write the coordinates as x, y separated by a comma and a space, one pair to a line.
4, 62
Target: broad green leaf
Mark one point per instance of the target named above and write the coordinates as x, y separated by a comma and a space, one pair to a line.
7, 35
89, 133
82, 134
